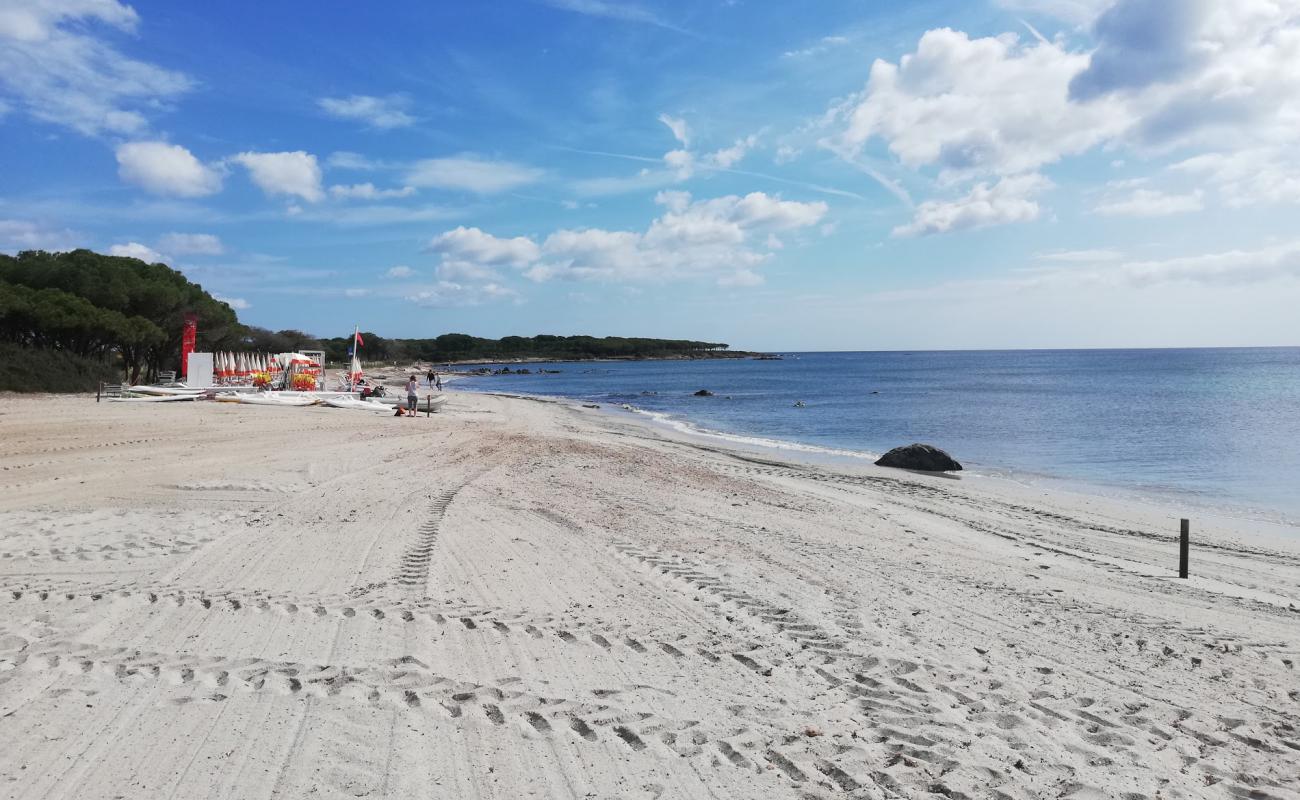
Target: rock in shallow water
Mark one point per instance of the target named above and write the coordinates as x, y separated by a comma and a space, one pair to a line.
919, 456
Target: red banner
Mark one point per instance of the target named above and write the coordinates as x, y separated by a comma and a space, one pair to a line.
187, 342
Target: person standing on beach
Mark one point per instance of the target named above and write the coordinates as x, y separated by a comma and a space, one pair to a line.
432, 376
412, 398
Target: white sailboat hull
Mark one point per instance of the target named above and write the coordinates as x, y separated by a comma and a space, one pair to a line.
356, 405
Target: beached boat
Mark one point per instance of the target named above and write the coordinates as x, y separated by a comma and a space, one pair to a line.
356, 405
156, 398
165, 391
435, 402
274, 399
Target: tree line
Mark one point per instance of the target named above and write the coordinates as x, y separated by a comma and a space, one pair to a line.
70, 319
463, 347
108, 309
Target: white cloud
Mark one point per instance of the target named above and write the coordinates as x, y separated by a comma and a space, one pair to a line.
1233, 267
373, 215
622, 11
293, 173
62, 75
1151, 203
471, 173
400, 271
40, 21
976, 107
1195, 74
1162, 74
198, 244
451, 270
377, 112
678, 126
367, 191
823, 45
237, 303
786, 153
449, 293
1278, 262
473, 245
988, 106
714, 238
1004, 202
357, 292
1227, 268
18, 234
166, 169
741, 278
681, 162
1080, 256
1248, 177
343, 159
137, 250
692, 239
728, 157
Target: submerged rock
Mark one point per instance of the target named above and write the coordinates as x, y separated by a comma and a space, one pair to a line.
704, 393
927, 458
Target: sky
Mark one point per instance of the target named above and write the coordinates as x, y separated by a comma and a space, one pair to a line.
850, 175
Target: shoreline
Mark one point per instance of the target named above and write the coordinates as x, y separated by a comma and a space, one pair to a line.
1269, 521
520, 596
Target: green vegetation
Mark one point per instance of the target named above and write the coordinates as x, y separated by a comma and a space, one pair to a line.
83, 308
29, 369
462, 347
70, 320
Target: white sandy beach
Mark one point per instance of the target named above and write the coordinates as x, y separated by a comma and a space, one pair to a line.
516, 598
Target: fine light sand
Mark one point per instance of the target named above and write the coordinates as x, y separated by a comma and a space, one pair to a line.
524, 599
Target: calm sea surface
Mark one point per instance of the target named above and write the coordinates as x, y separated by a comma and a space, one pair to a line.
1215, 426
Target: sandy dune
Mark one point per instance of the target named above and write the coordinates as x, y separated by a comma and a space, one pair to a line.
520, 599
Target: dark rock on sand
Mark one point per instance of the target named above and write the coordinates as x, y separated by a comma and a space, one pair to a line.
704, 393
919, 456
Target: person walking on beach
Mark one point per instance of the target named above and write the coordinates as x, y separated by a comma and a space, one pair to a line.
432, 376
412, 398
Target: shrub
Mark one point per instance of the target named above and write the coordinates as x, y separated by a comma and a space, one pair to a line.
38, 369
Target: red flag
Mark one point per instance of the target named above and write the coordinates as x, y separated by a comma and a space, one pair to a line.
360, 341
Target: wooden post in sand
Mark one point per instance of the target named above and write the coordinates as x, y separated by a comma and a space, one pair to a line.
98, 389
428, 406
1184, 544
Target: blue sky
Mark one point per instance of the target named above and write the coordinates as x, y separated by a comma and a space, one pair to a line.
857, 175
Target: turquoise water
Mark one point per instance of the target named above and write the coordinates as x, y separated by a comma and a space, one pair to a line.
1220, 426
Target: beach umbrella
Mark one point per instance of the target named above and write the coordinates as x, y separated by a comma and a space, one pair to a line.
354, 370
241, 365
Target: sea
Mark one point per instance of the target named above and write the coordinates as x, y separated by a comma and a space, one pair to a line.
1205, 427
